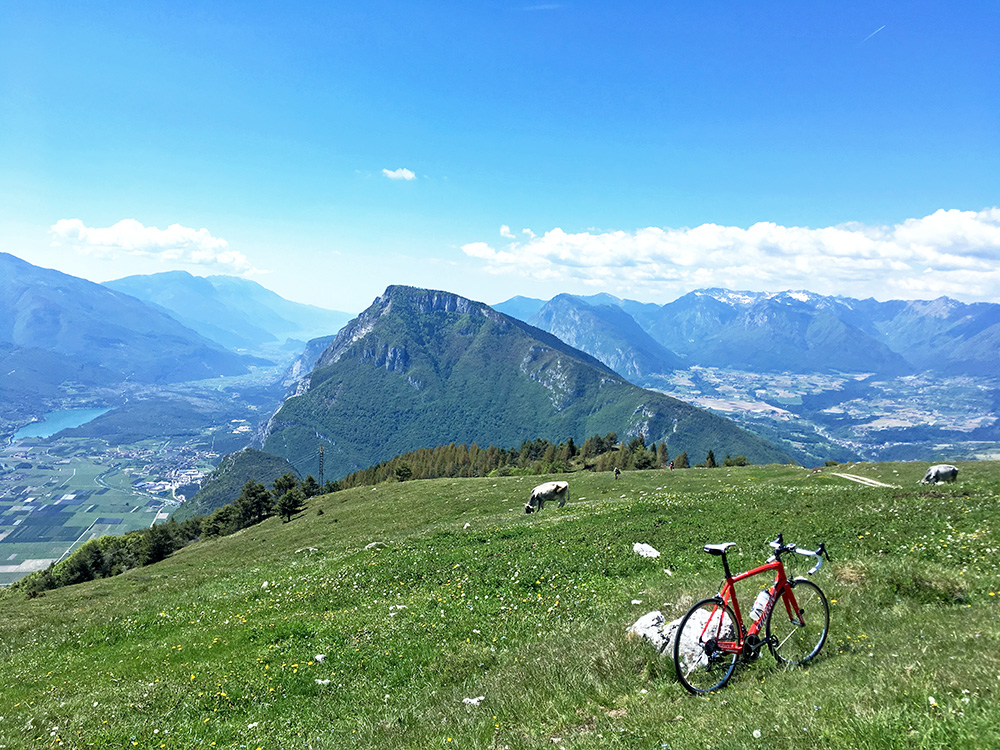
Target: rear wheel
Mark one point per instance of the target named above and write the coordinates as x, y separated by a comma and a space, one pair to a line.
702, 666
797, 639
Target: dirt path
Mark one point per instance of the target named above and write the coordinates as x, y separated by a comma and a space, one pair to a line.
864, 480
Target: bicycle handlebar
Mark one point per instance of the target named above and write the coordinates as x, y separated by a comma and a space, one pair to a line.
779, 547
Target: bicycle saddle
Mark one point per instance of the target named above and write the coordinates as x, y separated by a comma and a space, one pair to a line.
719, 549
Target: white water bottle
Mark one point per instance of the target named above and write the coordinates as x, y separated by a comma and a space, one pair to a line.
760, 604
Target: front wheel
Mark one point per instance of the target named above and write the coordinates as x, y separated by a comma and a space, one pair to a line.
796, 639
702, 666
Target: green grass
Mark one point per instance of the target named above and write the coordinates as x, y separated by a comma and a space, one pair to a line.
219, 643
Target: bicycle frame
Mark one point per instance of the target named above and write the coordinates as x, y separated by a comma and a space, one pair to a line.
727, 595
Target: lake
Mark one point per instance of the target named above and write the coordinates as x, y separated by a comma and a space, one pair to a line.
55, 421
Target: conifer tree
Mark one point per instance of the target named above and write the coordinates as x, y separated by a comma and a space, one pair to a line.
291, 503
284, 483
662, 457
254, 503
681, 462
310, 487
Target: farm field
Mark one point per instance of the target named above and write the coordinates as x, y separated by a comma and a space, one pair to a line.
368, 619
122, 470
56, 494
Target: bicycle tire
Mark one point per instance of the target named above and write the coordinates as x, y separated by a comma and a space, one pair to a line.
700, 667
791, 641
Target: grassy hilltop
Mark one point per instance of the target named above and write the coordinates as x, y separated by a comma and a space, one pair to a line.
416, 595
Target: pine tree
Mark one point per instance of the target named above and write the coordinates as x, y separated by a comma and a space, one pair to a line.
710, 461
157, 545
291, 503
681, 462
310, 487
284, 483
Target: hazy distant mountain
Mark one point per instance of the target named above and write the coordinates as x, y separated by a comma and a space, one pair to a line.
304, 363
942, 334
790, 331
805, 332
522, 308
69, 330
607, 332
421, 368
234, 312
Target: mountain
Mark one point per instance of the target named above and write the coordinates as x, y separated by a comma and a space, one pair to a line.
790, 331
421, 368
604, 330
943, 335
797, 331
69, 330
522, 308
237, 313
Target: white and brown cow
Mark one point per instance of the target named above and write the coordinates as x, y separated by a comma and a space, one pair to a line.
545, 492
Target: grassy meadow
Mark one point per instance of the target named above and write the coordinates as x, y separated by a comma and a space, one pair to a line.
366, 620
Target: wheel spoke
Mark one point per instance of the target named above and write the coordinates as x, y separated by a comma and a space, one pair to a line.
806, 637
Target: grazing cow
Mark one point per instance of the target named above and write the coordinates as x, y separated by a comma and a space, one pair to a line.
547, 491
940, 473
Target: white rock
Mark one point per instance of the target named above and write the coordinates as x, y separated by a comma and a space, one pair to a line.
473, 701
650, 628
640, 548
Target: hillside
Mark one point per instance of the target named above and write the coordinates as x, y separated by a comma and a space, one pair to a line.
236, 313
421, 368
368, 625
48, 318
223, 484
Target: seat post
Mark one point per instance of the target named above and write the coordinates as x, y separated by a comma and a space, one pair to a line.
725, 566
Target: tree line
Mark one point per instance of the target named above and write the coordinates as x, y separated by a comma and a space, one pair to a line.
598, 453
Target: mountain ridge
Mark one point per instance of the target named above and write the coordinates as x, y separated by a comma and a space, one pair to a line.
237, 313
426, 367
802, 331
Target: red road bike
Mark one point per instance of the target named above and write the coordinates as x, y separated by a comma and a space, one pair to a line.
711, 637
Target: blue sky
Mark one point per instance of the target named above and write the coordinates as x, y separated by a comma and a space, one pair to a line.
645, 149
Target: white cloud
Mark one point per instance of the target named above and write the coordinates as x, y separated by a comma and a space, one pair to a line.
951, 252
399, 174
175, 243
505, 232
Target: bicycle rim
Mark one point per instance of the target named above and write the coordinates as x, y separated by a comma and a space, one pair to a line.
797, 640
701, 666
